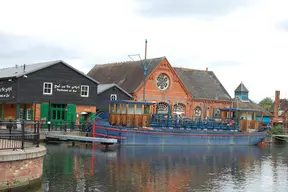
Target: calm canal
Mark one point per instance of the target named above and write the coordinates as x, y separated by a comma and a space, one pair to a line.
165, 169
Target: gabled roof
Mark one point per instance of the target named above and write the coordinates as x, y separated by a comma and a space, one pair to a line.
19, 71
249, 105
104, 87
128, 75
241, 88
202, 84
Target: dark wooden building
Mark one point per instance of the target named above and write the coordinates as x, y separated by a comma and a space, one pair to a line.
110, 92
52, 91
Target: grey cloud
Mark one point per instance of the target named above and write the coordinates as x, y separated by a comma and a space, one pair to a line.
282, 26
173, 8
16, 49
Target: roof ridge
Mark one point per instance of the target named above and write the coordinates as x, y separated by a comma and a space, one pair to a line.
191, 69
29, 64
125, 62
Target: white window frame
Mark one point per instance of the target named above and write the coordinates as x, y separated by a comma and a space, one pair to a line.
81, 90
113, 96
29, 113
51, 91
21, 113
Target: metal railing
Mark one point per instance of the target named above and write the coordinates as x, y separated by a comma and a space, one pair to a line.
19, 134
65, 126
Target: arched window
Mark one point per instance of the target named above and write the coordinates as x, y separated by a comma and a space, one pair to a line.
162, 107
179, 107
197, 111
216, 112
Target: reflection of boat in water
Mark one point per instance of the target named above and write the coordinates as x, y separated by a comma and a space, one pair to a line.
173, 168
145, 152
133, 123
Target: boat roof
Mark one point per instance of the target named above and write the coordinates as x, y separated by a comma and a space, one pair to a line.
133, 102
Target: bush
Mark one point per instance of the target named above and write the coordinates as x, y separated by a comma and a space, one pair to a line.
10, 118
276, 130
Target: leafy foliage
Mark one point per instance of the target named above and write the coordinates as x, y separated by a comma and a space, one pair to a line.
276, 130
266, 103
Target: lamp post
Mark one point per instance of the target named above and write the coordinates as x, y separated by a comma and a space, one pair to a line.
143, 64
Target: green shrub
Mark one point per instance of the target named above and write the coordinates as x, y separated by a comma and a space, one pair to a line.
276, 130
10, 118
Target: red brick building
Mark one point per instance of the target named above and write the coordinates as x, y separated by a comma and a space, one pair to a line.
190, 91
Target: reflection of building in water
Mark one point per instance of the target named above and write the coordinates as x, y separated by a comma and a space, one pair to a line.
174, 173
152, 169
149, 178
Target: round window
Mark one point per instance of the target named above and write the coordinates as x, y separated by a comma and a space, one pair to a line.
163, 82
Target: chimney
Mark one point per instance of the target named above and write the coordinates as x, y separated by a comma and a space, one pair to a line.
276, 103
206, 68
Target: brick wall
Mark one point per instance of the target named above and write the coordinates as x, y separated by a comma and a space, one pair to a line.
176, 92
83, 108
10, 109
210, 104
19, 173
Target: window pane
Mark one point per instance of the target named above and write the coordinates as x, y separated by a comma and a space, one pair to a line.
84, 90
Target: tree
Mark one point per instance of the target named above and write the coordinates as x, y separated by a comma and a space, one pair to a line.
266, 103
276, 130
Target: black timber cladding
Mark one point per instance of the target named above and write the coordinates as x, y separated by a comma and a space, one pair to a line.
7, 90
104, 97
66, 81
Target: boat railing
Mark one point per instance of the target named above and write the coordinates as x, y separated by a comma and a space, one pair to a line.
193, 123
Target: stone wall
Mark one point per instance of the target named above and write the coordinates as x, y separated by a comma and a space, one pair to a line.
18, 168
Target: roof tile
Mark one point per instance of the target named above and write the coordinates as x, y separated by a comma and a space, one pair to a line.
202, 84
128, 75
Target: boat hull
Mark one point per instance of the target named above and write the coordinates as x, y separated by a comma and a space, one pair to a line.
168, 136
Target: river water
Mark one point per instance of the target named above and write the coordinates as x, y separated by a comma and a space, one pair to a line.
165, 169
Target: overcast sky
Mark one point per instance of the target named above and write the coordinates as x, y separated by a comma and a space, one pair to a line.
240, 40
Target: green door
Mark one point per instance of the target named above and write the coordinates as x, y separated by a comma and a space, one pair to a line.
71, 113
44, 110
58, 114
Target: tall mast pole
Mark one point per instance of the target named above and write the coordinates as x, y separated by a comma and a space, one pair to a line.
145, 67
143, 64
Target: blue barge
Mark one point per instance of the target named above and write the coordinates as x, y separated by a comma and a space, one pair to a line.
139, 123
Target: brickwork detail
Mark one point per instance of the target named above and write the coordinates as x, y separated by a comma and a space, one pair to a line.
176, 93
21, 172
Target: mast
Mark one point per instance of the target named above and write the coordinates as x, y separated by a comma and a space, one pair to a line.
145, 67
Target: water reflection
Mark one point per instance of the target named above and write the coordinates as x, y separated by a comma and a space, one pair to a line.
147, 169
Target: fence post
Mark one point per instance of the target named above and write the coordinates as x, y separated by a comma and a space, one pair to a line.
10, 130
35, 136
48, 125
94, 128
65, 126
23, 135
38, 134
